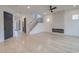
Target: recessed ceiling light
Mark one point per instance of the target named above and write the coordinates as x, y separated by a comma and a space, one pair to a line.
74, 5
28, 7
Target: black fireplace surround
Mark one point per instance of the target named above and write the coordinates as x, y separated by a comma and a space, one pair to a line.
58, 30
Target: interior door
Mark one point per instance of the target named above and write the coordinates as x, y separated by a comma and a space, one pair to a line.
8, 25
24, 27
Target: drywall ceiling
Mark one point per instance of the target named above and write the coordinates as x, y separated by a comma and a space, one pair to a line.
38, 8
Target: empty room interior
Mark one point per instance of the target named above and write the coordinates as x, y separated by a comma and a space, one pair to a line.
39, 28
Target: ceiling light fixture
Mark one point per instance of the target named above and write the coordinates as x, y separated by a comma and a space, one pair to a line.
28, 7
48, 20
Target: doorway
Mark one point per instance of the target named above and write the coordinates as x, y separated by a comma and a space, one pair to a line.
24, 25
8, 25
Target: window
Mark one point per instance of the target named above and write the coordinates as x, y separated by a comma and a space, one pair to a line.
75, 17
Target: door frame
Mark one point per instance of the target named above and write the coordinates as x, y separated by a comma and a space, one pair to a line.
5, 12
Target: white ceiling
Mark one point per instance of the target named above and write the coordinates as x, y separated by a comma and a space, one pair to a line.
38, 8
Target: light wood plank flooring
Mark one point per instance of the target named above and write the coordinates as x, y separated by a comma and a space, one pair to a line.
41, 43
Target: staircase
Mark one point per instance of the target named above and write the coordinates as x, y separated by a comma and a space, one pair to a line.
32, 23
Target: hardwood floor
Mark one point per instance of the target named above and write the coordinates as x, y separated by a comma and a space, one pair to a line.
41, 43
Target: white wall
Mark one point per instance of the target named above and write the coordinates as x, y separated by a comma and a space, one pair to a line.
71, 26
1, 27
48, 25
58, 20
63, 20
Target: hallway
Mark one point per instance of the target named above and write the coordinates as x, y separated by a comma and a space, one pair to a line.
42, 42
